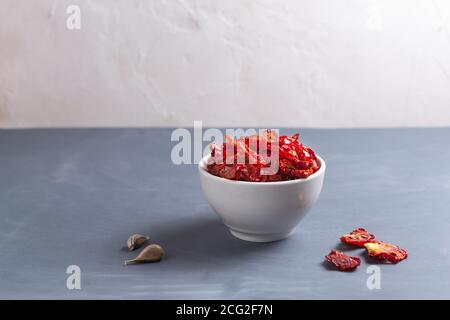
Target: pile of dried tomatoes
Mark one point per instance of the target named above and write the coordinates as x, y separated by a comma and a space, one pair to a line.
244, 158
375, 248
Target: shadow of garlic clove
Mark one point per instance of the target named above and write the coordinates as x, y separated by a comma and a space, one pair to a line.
151, 253
135, 241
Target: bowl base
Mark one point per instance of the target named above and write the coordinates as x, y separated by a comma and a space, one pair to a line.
255, 237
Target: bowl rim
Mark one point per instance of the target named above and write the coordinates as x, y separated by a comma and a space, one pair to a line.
315, 175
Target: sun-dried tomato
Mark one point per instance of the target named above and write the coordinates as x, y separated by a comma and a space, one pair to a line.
386, 251
342, 261
242, 159
357, 237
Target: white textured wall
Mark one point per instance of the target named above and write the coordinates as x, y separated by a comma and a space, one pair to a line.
226, 62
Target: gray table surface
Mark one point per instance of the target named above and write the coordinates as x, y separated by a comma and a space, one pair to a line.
73, 196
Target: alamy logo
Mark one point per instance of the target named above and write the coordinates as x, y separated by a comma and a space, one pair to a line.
74, 280
73, 21
374, 280
188, 150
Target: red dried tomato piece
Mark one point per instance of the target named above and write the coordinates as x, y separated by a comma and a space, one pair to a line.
386, 251
357, 237
289, 169
342, 261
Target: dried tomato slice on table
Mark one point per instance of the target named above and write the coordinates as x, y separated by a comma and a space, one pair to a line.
342, 261
358, 237
386, 251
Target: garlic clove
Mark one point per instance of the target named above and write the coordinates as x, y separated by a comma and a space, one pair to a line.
135, 241
151, 253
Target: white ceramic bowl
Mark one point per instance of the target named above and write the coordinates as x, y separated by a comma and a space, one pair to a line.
261, 211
